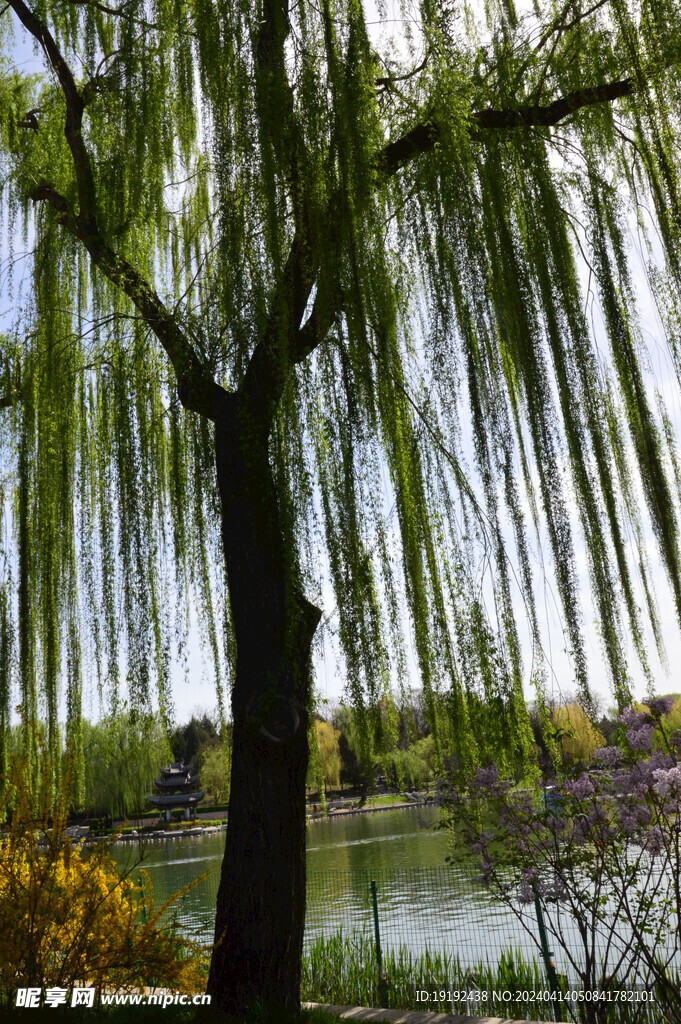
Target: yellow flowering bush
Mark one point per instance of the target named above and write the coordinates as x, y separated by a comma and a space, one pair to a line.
69, 915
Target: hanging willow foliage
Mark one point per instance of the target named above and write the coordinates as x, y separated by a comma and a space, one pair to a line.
431, 195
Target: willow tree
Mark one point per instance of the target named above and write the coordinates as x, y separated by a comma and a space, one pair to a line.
300, 298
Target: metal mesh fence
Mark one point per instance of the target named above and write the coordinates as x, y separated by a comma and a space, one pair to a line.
193, 914
441, 909
434, 922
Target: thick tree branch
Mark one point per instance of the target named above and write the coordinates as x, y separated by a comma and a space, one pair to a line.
423, 138
273, 356
314, 330
117, 12
73, 128
196, 387
559, 23
389, 80
30, 120
328, 303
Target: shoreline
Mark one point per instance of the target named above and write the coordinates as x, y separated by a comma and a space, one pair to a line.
321, 816
199, 830
140, 829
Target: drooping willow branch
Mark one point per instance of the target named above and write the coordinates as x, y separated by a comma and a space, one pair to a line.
197, 389
277, 350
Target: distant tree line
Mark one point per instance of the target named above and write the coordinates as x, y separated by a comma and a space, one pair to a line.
402, 752
399, 752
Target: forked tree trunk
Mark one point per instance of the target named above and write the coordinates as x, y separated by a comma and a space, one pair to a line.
261, 898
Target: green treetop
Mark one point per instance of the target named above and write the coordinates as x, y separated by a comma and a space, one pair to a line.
265, 264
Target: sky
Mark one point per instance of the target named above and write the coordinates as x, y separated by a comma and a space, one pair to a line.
193, 688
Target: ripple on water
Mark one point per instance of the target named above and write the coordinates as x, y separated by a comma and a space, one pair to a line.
370, 840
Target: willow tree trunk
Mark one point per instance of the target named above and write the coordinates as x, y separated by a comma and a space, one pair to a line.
261, 898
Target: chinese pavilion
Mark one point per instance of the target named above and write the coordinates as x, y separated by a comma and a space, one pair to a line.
177, 788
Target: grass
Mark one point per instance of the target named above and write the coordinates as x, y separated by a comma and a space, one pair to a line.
372, 801
342, 969
383, 801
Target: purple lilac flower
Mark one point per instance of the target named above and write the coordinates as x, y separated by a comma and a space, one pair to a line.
631, 820
556, 890
655, 841
583, 787
591, 827
486, 778
581, 832
644, 815
634, 816
518, 807
638, 781
661, 706
598, 814
587, 826
668, 782
525, 893
528, 886
628, 824
633, 718
609, 756
659, 760
641, 738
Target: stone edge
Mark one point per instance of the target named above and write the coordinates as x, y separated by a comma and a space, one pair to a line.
404, 1016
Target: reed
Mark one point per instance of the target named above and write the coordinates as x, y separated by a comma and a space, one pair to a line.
342, 969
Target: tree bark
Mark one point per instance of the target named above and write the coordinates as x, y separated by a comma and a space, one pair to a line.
261, 898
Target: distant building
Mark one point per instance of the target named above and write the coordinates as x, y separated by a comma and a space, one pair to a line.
177, 789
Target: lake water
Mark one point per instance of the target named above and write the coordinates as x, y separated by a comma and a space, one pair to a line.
422, 900
337, 847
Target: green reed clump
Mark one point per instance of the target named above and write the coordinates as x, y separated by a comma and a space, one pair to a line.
342, 969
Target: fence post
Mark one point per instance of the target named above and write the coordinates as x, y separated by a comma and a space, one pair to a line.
144, 900
382, 987
547, 956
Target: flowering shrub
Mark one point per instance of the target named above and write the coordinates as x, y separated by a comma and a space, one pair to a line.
69, 915
601, 854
